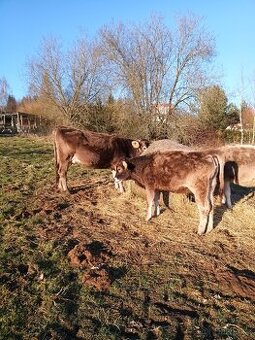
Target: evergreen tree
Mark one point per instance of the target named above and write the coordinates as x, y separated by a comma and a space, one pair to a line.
11, 105
213, 108
232, 114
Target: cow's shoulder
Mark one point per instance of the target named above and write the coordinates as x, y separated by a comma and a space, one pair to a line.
70, 136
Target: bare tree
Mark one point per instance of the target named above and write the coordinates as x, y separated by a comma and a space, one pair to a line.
154, 64
4, 93
139, 56
67, 80
193, 50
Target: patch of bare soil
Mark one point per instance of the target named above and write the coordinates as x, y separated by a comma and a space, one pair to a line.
93, 259
93, 254
239, 282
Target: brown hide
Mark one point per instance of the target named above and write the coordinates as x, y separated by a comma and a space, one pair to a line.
92, 149
240, 164
175, 171
238, 161
163, 145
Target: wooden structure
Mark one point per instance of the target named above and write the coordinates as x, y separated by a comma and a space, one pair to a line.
18, 122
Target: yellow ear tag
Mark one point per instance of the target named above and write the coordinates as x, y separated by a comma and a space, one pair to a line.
135, 144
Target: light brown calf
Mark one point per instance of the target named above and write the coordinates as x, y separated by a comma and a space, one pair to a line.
175, 171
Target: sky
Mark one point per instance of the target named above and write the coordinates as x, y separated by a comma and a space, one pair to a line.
25, 23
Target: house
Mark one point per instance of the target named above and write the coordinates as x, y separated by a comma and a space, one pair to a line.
163, 109
234, 127
18, 122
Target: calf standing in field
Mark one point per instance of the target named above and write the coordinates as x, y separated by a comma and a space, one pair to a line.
175, 171
163, 145
92, 149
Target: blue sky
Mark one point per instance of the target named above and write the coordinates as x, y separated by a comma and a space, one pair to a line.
24, 23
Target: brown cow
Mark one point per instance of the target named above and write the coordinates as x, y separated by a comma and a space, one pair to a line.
239, 167
92, 149
238, 162
175, 171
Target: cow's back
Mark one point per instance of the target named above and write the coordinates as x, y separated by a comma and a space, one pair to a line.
65, 140
170, 170
180, 164
164, 145
240, 164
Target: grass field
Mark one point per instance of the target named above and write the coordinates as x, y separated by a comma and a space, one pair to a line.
87, 265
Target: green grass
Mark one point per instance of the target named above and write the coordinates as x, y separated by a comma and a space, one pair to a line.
155, 280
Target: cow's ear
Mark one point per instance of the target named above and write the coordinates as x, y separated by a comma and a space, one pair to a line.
135, 144
125, 165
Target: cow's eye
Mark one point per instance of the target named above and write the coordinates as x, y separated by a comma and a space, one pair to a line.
119, 169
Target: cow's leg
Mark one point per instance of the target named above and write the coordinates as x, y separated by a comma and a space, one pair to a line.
150, 194
57, 176
156, 203
56, 164
203, 192
204, 215
211, 188
62, 171
205, 211
120, 186
227, 195
166, 196
117, 183
190, 197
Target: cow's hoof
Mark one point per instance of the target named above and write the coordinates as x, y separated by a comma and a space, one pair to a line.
65, 192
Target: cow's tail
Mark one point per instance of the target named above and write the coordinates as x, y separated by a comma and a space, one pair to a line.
219, 163
56, 156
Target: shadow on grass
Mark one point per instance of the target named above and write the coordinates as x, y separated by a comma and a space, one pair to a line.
85, 187
8, 152
242, 272
237, 194
57, 331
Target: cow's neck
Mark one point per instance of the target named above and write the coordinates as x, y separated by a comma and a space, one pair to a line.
137, 178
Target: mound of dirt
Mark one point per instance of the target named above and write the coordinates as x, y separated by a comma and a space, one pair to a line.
241, 283
89, 255
99, 277
94, 258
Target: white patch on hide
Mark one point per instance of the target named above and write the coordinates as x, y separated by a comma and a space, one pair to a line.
75, 159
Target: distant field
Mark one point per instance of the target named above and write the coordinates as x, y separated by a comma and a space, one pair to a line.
88, 266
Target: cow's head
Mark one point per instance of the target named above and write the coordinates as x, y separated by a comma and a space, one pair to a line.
139, 146
122, 170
